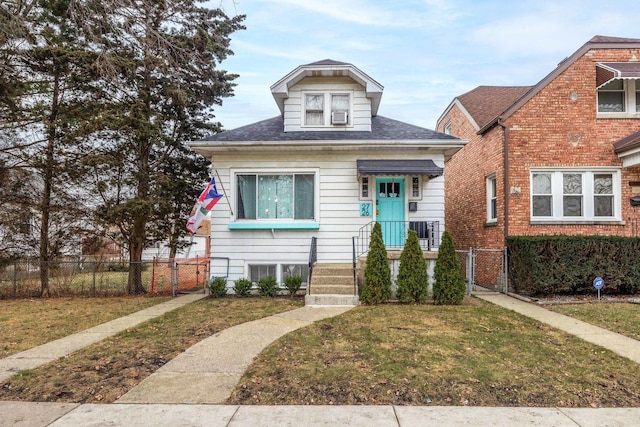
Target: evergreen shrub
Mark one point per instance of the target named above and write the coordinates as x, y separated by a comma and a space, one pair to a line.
449, 286
293, 284
218, 287
545, 265
413, 279
268, 287
242, 287
377, 274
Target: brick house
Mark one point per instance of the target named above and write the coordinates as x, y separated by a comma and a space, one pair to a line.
559, 157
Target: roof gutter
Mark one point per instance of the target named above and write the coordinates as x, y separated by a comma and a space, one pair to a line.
505, 174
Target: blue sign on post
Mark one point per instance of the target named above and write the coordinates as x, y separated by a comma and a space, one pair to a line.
598, 283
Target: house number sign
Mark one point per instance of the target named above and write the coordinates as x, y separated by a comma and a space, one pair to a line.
365, 209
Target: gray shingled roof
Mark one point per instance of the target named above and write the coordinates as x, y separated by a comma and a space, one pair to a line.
382, 128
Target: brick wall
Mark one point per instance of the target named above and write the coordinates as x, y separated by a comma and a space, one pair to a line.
557, 127
465, 185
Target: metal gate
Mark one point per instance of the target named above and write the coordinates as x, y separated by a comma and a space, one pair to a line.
486, 268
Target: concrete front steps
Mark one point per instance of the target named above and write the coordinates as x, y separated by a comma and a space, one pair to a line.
332, 285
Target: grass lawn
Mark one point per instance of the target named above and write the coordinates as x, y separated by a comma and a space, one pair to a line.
27, 323
474, 354
623, 318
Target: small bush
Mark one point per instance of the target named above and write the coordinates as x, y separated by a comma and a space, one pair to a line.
449, 286
293, 284
218, 287
413, 279
267, 286
242, 287
377, 274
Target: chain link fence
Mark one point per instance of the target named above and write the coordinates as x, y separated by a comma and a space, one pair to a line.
82, 277
484, 267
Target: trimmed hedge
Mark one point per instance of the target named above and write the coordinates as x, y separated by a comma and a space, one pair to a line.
543, 265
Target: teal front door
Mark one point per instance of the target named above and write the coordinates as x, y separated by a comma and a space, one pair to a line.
390, 210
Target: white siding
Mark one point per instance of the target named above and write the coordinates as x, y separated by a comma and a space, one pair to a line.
360, 104
339, 214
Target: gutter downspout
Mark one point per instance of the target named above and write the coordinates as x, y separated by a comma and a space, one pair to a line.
505, 130
507, 194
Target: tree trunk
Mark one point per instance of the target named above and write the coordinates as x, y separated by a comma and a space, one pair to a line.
47, 189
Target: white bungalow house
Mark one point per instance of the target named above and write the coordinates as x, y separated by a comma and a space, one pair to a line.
303, 189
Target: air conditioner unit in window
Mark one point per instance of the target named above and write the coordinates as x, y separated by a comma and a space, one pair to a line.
339, 118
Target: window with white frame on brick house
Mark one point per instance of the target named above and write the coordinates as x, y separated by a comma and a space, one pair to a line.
619, 97
575, 195
492, 199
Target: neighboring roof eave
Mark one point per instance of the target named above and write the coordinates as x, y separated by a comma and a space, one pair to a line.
373, 89
456, 102
597, 42
627, 143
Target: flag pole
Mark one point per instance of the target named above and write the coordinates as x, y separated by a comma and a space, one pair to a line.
189, 248
224, 191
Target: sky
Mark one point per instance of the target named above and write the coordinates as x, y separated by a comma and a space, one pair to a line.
424, 52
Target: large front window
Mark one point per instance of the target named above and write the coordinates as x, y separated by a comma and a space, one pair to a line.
575, 195
276, 196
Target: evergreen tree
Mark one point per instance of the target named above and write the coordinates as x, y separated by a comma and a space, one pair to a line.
159, 62
48, 99
413, 279
377, 274
449, 286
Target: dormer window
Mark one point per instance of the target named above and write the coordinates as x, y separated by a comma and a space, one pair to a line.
327, 109
314, 109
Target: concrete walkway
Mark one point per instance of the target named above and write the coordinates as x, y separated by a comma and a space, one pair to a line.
45, 353
624, 346
207, 372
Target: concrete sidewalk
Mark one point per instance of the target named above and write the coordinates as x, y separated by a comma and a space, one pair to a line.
161, 415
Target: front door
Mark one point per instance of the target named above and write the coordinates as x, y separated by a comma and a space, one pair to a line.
390, 210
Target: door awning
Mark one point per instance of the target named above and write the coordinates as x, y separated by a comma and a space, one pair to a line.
399, 167
608, 71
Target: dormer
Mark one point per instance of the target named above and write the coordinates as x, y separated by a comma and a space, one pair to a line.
327, 95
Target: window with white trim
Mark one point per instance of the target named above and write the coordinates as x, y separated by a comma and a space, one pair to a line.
271, 196
447, 128
575, 195
260, 271
492, 198
364, 188
416, 188
301, 270
619, 97
327, 109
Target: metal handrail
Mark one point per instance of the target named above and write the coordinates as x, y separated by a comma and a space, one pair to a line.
313, 258
395, 234
355, 280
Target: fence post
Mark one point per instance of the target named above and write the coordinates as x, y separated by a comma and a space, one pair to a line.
93, 284
506, 271
174, 277
15, 278
470, 271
